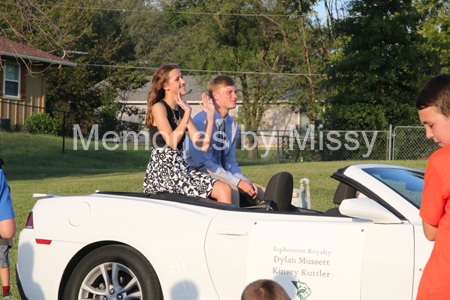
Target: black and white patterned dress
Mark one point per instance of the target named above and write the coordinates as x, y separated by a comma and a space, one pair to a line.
167, 170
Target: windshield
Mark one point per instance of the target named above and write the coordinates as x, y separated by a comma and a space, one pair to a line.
409, 184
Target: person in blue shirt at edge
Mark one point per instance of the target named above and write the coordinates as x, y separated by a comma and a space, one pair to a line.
219, 161
7, 231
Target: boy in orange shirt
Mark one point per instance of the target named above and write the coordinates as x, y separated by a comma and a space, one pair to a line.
433, 105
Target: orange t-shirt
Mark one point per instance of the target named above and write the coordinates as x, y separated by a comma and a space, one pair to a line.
435, 282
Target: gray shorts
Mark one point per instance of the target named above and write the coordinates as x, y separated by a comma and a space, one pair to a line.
4, 261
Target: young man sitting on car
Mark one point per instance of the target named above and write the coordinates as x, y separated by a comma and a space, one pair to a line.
219, 161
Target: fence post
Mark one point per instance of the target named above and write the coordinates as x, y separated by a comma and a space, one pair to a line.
390, 141
282, 149
64, 131
278, 146
393, 143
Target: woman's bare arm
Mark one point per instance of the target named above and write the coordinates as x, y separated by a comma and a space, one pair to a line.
171, 137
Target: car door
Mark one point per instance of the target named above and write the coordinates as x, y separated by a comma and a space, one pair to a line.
226, 250
388, 262
311, 256
393, 257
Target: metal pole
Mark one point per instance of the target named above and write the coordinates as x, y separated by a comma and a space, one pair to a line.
278, 146
390, 141
393, 142
64, 131
282, 149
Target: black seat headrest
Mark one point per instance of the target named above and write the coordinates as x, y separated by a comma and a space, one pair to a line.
343, 191
279, 190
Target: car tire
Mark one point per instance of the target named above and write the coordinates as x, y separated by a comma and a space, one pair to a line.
113, 272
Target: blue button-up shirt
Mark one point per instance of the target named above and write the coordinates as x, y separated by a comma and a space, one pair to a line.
210, 161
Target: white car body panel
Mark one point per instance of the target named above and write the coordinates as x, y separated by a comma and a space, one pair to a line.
248, 252
366, 208
226, 251
387, 270
324, 255
41, 277
175, 257
201, 252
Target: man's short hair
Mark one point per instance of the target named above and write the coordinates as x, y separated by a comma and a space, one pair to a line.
264, 289
218, 82
436, 92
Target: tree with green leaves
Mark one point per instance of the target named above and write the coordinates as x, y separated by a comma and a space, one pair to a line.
90, 33
104, 42
378, 67
310, 44
78, 32
114, 95
251, 39
435, 26
51, 26
125, 81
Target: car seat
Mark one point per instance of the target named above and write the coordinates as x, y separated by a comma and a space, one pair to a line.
279, 190
343, 191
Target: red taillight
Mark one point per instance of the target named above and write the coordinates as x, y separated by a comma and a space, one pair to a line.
30, 224
43, 242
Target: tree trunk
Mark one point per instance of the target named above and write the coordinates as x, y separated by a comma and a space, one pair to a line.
253, 144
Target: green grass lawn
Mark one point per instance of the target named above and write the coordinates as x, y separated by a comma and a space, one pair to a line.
36, 164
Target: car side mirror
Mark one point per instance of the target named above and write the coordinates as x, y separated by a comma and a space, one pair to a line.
365, 208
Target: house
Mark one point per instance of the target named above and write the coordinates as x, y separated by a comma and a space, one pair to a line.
23, 84
278, 117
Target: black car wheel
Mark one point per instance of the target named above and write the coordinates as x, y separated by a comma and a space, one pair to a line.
114, 272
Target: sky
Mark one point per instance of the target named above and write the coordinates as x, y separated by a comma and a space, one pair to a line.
320, 8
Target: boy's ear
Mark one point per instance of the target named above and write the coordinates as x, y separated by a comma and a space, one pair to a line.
214, 96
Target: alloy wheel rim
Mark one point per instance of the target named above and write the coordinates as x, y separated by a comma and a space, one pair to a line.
110, 281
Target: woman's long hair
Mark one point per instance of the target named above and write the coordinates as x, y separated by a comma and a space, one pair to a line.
157, 92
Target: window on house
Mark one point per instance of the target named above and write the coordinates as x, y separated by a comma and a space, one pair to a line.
11, 84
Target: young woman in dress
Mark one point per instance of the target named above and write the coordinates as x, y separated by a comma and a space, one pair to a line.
168, 118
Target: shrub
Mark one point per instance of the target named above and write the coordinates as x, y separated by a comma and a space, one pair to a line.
42, 123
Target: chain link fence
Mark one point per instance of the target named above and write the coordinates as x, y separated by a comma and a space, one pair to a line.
282, 146
52, 131
410, 142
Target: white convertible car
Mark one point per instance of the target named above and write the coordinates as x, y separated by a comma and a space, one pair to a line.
115, 246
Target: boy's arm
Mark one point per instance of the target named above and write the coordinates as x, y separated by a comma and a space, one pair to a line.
244, 185
230, 157
430, 231
7, 228
434, 197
